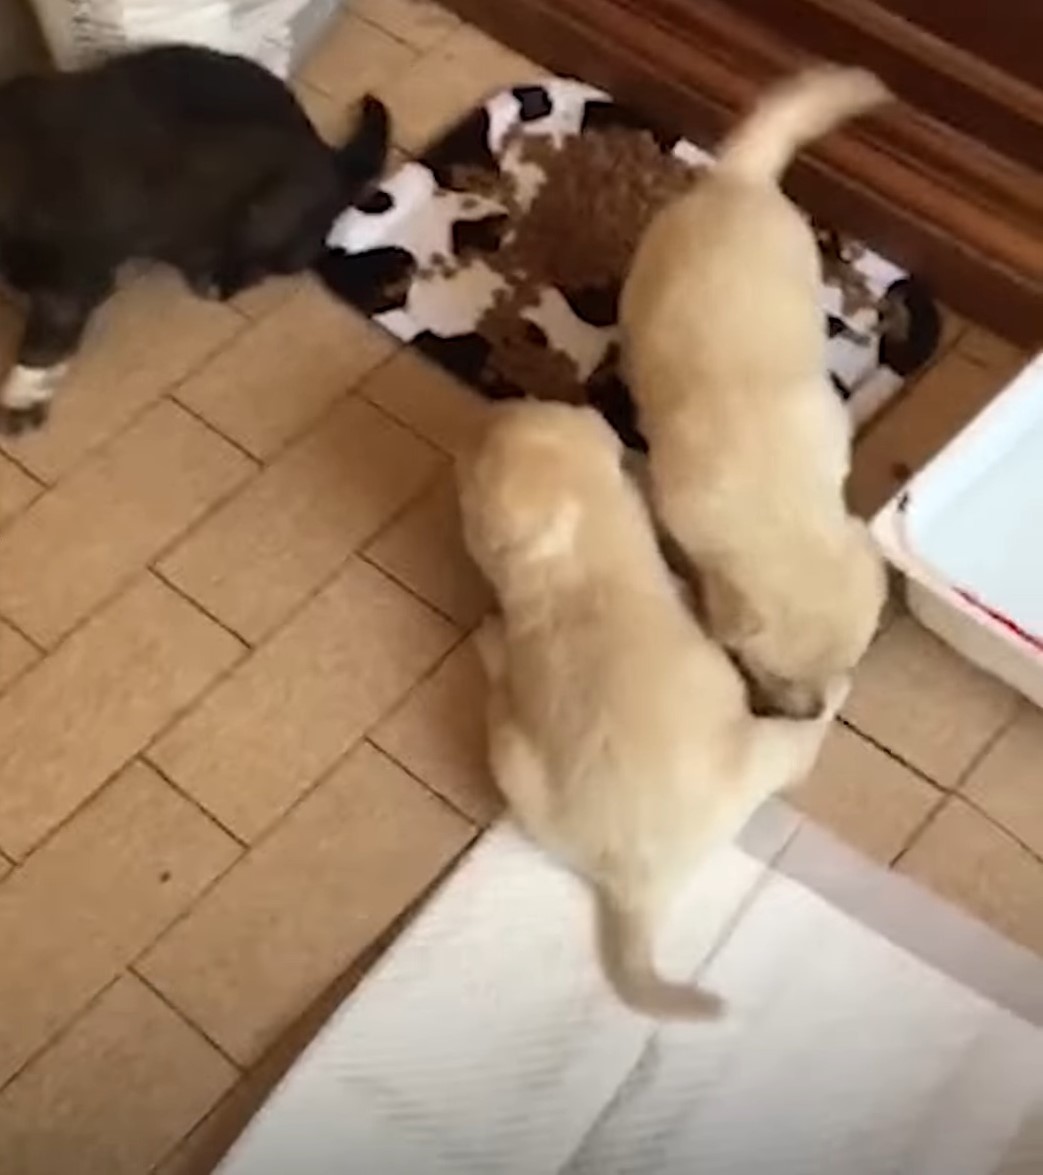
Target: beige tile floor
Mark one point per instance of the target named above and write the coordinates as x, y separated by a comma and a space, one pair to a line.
239, 709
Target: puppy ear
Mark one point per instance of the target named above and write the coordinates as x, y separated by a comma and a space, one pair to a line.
730, 615
536, 517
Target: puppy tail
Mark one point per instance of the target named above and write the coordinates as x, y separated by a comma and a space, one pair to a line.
361, 159
795, 112
627, 956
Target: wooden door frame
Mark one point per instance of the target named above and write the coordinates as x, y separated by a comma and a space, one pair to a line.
967, 218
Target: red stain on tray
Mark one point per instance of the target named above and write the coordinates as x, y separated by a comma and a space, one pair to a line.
1010, 625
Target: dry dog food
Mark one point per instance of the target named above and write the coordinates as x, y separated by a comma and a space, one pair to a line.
599, 193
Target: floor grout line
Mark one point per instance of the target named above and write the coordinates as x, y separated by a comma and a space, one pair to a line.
1009, 833
140, 754
326, 773
121, 587
287, 619
261, 467
215, 683
186, 1019
63, 1030
78, 809
252, 650
985, 750
478, 825
418, 52
969, 802
919, 829
137, 961
126, 582
256, 461
354, 974
399, 704
11, 454
893, 754
160, 574
16, 627
321, 418
396, 579
136, 964
398, 421
152, 568
189, 798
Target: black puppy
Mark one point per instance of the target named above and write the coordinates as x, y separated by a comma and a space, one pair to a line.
177, 154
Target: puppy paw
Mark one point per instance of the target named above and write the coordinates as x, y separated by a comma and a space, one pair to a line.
16, 421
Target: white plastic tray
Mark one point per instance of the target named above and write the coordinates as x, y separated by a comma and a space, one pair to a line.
967, 533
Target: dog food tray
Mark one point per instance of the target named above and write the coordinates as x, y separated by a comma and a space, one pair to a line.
967, 533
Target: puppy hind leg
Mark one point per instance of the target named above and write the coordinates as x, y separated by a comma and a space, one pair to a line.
516, 767
518, 770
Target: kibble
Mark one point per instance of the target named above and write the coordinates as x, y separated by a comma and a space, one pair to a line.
599, 192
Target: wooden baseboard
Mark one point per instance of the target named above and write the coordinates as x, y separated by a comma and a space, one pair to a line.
929, 196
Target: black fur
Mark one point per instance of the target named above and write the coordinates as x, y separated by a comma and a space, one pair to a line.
376, 281
913, 335
177, 154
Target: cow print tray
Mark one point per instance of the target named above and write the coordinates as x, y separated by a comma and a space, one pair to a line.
459, 254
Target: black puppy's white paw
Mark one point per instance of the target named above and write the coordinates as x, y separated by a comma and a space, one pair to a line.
25, 397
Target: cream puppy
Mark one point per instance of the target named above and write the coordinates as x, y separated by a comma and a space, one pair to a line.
724, 346
618, 732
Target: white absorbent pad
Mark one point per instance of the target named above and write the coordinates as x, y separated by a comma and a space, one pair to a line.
486, 1043
274, 32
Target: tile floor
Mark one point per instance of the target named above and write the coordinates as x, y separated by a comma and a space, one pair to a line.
239, 735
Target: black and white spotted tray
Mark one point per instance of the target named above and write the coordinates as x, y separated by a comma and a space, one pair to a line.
388, 257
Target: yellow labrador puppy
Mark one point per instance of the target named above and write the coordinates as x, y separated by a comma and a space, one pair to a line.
724, 345
618, 732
